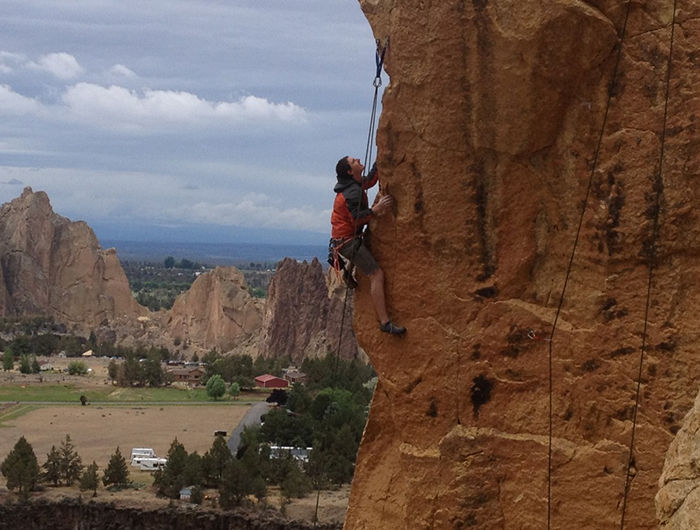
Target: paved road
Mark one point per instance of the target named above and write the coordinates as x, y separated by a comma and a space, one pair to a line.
252, 417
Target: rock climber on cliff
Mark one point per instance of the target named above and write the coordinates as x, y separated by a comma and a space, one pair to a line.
351, 213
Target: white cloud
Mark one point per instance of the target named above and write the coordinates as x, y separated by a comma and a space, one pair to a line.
8, 61
118, 107
119, 70
259, 210
12, 103
62, 65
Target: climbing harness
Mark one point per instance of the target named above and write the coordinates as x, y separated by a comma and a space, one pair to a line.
658, 186
611, 91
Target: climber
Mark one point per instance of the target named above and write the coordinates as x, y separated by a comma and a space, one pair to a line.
350, 214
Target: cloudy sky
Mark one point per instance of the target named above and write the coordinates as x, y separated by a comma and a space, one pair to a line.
216, 119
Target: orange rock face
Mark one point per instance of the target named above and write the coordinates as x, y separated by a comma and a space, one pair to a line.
487, 141
216, 311
55, 266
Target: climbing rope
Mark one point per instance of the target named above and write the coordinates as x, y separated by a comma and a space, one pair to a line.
376, 83
657, 187
611, 93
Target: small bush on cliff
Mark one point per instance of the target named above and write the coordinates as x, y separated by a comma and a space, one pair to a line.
116, 474
21, 469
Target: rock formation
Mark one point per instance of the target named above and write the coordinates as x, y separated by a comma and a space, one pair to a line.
678, 500
53, 266
216, 312
487, 141
303, 313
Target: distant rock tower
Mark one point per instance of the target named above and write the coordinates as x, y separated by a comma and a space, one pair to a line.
52, 266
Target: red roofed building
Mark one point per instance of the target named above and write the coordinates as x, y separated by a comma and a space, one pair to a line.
270, 381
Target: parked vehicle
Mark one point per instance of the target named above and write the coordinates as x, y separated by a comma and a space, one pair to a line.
149, 464
142, 452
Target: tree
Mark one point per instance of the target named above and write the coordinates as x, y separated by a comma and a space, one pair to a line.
113, 370
8, 360
70, 463
35, 365
169, 262
77, 368
117, 473
52, 467
152, 370
216, 386
89, 479
193, 473
278, 396
234, 390
24, 366
170, 479
21, 469
214, 461
237, 483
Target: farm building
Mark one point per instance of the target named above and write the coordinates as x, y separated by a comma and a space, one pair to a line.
270, 381
294, 375
191, 375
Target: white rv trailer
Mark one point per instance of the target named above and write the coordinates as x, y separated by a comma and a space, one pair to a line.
149, 464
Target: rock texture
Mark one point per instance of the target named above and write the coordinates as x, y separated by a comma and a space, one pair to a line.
303, 313
678, 500
216, 312
487, 139
50, 265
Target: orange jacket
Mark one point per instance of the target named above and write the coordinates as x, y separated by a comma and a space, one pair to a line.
350, 208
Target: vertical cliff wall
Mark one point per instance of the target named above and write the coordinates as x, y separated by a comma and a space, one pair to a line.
486, 140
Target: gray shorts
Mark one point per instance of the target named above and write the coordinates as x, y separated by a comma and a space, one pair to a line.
360, 256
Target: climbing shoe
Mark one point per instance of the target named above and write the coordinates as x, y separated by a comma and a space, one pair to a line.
392, 328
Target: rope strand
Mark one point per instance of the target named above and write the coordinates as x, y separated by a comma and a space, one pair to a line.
571, 260
658, 189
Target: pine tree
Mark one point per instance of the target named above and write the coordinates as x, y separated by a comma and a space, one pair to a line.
52, 467
70, 462
170, 479
116, 473
35, 365
24, 366
214, 461
89, 479
21, 469
8, 360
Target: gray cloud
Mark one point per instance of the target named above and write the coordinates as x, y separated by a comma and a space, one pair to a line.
184, 111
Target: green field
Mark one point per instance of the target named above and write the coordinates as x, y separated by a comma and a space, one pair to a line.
108, 394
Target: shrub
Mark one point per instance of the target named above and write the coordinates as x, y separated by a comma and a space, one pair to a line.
77, 368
